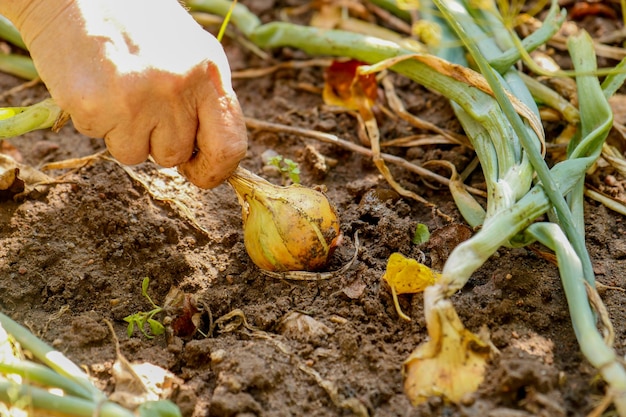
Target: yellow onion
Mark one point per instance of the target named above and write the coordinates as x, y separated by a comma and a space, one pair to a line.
291, 228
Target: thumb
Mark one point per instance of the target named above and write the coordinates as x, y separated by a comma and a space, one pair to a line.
221, 143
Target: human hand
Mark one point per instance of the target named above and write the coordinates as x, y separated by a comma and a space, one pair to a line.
143, 75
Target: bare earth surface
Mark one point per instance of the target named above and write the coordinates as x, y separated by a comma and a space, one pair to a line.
75, 254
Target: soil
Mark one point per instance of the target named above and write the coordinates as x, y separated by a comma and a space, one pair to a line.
74, 254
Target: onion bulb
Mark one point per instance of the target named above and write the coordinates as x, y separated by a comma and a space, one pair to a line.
292, 228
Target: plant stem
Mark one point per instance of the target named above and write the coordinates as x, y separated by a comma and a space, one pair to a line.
601, 356
18, 65
32, 372
41, 401
49, 356
10, 33
38, 116
528, 143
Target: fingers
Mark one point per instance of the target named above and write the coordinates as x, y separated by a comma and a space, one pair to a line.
125, 147
173, 146
159, 119
221, 141
163, 111
168, 143
173, 139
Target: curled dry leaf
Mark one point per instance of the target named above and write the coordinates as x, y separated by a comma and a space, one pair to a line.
10, 183
17, 179
138, 383
184, 316
345, 87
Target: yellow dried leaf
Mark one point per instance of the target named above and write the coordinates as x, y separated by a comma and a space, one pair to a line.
407, 276
451, 364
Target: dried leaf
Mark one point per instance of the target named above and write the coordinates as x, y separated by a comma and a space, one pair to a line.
345, 87
10, 183
182, 309
303, 327
136, 384
451, 364
16, 178
407, 276
355, 290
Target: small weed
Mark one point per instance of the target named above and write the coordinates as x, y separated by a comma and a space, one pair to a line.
288, 168
141, 318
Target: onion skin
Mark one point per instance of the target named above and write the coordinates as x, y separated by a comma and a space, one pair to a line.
291, 228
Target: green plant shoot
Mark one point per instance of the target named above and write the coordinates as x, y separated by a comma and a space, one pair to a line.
288, 168
421, 235
140, 319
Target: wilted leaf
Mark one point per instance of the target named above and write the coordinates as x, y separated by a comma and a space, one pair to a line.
10, 183
16, 178
451, 364
183, 311
407, 276
139, 383
345, 87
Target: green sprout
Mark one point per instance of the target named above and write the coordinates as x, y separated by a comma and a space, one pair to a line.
288, 168
140, 319
421, 235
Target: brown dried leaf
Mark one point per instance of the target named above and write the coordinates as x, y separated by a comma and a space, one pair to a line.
355, 289
16, 178
183, 311
10, 184
137, 383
